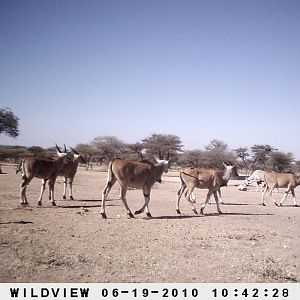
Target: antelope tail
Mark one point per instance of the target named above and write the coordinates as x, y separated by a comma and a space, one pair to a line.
19, 167
182, 183
110, 173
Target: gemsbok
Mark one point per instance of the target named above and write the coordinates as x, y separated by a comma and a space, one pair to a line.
69, 171
136, 174
46, 169
211, 179
281, 180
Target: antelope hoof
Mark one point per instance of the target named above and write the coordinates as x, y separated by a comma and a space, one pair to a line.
130, 215
201, 211
220, 212
39, 203
137, 212
64, 197
71, 198
148, 215
263, 204
103, 215
53, 203
296, 205
280, 204
195, 211
178, 211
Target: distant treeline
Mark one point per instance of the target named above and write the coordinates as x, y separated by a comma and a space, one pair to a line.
103, 148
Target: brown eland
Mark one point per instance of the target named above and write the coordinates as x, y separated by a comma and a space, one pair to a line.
202, 178
69, 171
44, 168
136, 174
280, 180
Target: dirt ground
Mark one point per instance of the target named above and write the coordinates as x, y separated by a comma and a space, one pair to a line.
71, 243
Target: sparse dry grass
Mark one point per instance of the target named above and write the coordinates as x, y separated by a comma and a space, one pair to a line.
71, 243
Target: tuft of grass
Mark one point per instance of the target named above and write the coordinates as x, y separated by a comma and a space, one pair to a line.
273, 271
42, 254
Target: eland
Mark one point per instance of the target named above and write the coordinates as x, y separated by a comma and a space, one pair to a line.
43, 168
69, 171
281, 180
136, 174
211, 179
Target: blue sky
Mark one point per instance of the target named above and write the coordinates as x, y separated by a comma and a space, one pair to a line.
75, 70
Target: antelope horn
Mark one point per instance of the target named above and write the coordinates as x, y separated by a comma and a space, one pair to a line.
168, 155
58, 149
159, 155
65, 149
73, 150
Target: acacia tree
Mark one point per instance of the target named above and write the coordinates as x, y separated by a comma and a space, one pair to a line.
9, 123
109, 147
87, 151
193, 158
216, 152
161, 144
216, 144
243, 154
137, 148
260, 155
37, 151
280, 161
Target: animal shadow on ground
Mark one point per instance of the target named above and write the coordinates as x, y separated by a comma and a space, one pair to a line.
86, 203
83, 206
175, 217
236, 214
238, 204
16, 222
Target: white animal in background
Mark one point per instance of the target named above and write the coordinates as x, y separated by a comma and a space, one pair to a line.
242, 187
258, 177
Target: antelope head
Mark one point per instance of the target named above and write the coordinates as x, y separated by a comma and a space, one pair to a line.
61, 153
163, 162
77, 155
230, 168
